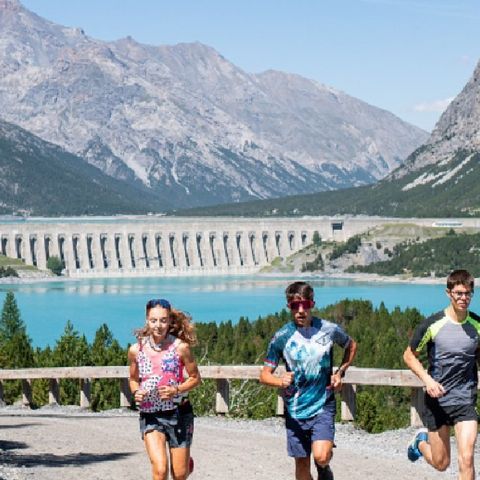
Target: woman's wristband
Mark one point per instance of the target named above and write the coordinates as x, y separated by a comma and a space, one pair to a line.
135, 392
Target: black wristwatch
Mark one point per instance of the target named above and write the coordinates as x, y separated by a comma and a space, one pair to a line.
341, 371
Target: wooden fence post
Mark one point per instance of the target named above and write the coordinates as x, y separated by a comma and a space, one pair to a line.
54, 392
222, 397
125, 394
2, 397
26, 392
348, 405
417, 407
85, 391
280, 403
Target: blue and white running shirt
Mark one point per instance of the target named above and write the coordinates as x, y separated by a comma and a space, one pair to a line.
308, 352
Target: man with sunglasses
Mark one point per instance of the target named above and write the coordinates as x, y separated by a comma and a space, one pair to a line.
451, 338
306, 346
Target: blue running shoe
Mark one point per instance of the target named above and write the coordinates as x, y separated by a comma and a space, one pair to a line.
413, 452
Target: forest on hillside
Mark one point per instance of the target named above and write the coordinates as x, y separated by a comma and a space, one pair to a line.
382, 336
433, 257
386, 198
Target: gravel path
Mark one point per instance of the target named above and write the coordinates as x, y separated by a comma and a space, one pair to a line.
64, 442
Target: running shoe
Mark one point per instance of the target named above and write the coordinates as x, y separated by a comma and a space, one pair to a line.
413, 452
324, 473
191, 464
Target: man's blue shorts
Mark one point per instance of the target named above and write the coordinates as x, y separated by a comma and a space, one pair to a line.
302, 432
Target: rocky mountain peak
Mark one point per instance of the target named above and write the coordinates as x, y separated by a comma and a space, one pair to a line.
12, 13
457, 130
183, 119
460, 123
10, 6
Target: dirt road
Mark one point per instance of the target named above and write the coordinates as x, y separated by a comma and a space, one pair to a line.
52, 445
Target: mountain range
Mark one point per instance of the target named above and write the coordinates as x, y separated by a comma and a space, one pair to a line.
183, 122
439, 179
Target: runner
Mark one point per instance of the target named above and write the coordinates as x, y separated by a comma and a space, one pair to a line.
451, 338
306, 346
159, 388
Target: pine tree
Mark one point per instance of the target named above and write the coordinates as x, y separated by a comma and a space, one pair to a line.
15, 345
105, 350
71, 350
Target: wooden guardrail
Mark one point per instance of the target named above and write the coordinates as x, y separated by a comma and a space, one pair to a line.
222, 374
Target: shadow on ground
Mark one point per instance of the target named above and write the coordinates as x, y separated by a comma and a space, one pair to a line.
50, 460
16, 427
11, 445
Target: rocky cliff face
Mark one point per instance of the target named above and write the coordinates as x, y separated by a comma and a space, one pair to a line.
456, 135
184, 120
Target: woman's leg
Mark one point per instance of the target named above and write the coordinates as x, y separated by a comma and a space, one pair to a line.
180, 441
180, 459
155, 444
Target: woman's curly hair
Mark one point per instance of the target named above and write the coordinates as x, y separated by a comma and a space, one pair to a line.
181, 326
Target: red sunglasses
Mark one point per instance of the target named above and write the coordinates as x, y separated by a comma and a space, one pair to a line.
296, 304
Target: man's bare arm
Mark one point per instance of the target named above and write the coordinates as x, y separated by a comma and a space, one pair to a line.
434, 389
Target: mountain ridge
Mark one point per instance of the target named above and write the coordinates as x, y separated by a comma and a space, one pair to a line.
439, 179
39, 178
184, 120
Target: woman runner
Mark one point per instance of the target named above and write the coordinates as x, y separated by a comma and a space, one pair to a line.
157, 362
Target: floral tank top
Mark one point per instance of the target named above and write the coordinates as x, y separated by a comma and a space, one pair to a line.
157, 369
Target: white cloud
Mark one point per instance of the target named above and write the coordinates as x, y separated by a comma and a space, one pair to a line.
437, 106
467, 60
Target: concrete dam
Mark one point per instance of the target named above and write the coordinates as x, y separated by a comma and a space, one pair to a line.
155, 245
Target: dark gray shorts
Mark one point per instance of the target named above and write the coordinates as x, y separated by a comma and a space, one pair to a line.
177, 427
436, 415
301, 433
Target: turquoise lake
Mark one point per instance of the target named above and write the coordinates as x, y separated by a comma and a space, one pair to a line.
46, 307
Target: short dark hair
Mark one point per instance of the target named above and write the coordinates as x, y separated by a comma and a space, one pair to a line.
299, 289
460, 277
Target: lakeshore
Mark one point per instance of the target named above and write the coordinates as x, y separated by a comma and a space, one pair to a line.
359, 277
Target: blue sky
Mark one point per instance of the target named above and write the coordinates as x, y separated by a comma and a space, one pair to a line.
410, 57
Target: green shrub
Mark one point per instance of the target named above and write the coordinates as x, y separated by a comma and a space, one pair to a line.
55, 265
